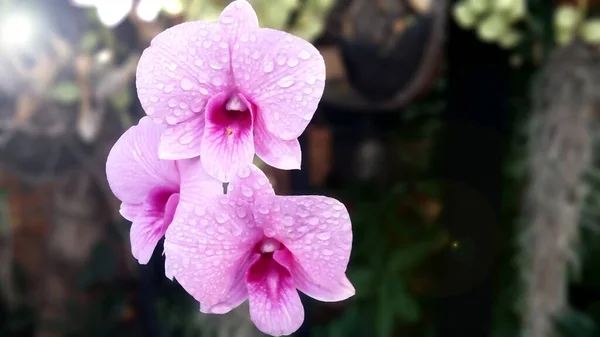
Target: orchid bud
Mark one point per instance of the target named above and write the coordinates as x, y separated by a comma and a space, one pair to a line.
490, 29
464, 16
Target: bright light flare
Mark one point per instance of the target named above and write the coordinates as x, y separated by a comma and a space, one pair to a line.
17, 30
173, 7
148, 10
112, 13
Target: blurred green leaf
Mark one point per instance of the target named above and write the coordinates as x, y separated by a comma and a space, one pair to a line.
410, 257
385, 312
576, 323
121, 101
89, 41
406, 306
66, 92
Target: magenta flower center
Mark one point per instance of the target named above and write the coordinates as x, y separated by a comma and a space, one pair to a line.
231, 113
161, 204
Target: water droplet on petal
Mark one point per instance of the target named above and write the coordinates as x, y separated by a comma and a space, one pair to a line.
221, 217
324, 236
292, 62
203, 91
269, 66
171, 119
241, 212
217, 81
209, 230
244, 172
280, 60
227, 19
304, 55
216, 66
269, 232
285, 82
313, 221
186, 84
247, 192
198, 62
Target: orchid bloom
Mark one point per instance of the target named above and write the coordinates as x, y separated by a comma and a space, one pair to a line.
251, 244
148, 187
228, 90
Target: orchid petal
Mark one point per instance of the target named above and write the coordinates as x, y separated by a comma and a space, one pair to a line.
130, 211
275, 306
274, 151
283, 75
182, 141
207, 246
323, 225
249, 184
227, 144
182, 69
237, 17
151, 225
133, 169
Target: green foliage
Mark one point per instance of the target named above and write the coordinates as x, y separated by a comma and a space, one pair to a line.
66, 92
392, 251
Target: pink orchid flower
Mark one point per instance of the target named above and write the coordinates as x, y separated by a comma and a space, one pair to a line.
228, 90
148, 187
251, 244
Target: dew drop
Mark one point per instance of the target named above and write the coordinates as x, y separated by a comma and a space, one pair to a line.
227, 19
280, 60
209, 230
304, 55
186, 138
269, 66
313, 221
292, 62
203, 91
247, 192
221, 217
198, 62
241, 212
186, 84
171, 119
324, 236
217, 81
285, 82
216, 66
244, 172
